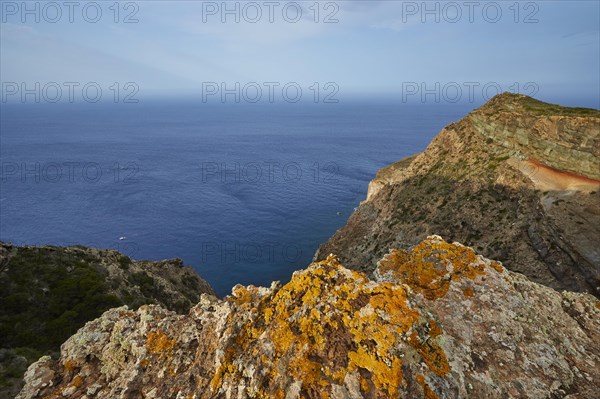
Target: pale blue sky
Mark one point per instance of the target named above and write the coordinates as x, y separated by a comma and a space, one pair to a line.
374, 48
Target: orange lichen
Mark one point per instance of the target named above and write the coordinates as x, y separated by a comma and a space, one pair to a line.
428, 392
468, 292
158, 343
329, 322
365, 387
127, 313
434, 329
323, 308
77, 381
431, 265
497, 266
241, 295
69, 365
433, 355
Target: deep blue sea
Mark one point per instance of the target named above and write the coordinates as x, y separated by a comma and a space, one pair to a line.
243, 193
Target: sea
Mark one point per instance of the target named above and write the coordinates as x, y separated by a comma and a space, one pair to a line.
243, 193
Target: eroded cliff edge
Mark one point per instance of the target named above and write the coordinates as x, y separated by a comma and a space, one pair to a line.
438, 321
517, 179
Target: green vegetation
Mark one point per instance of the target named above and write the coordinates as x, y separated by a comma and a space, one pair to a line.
151, 289
124, 262
47, 294
541, 108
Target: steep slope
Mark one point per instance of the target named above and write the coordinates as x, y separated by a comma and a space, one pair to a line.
48, 293
438, 321
517, 179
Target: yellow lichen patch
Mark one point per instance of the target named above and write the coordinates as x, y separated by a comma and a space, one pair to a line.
328, 321
365, 387
497, 266
241, 295
428, 392
69, 365
77, 381
127, 313
433, 355
598, 305
158, 343
378, 336
434, 329
386, 378
431, 265
468, 292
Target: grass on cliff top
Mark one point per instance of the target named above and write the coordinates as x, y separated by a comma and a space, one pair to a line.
537, 107
511, 102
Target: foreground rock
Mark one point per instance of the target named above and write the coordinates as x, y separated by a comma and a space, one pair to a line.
438, 321
517, 179
48, 293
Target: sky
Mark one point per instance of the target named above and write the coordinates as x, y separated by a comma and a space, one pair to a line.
436, 51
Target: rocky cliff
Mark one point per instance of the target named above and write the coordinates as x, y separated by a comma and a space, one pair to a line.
517, 179
438, 321
48, 293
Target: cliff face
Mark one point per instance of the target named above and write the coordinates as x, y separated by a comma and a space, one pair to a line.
437, 321
48, 293
518, 179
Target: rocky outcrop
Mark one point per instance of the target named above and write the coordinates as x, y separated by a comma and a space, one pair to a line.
517, 179
48, 293
437, 321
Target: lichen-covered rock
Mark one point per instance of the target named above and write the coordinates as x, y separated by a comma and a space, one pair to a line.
438, 321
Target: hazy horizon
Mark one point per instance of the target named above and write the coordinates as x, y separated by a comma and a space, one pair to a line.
360, 49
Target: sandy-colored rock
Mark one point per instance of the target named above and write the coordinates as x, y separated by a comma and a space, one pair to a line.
438, 321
